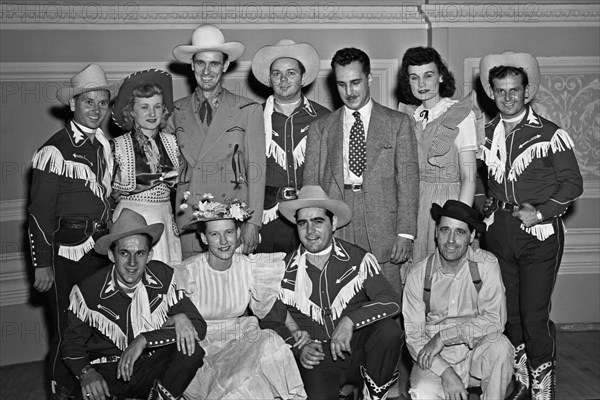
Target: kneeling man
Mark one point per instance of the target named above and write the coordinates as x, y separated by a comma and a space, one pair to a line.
454, 314
336, 292
130, 332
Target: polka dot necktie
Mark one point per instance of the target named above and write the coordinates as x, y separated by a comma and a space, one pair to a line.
358, 157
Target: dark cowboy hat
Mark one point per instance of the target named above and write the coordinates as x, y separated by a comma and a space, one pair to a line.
129, 223
458, 210
314, 196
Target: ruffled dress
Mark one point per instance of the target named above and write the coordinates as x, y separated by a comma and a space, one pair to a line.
242, 361
448, 130
144, 175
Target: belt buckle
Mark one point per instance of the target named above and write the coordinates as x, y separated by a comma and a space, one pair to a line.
356, 187
289, 193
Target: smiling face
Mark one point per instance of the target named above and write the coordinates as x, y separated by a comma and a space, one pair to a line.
90, 108
315, 228
453, 239
286, 79
130, 255
424, 83
222, 238
510, 95
148, 113
209, 67
353, 85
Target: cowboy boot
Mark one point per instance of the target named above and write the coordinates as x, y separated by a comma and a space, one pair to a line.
370, 389
521, 381
347, 396
159, 392
543, 386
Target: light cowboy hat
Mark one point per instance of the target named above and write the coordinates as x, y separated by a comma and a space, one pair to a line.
208, 38
129, 223
286, 48
148, 76
314, 196
89, 79
511, 59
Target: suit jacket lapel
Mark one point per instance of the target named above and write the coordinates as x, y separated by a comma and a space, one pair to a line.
376, 137
335, 145
188, 119
225, 113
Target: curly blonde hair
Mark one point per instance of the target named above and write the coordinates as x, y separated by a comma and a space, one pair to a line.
143, 90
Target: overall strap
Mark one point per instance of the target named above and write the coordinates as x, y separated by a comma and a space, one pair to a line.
427, 284
475, 277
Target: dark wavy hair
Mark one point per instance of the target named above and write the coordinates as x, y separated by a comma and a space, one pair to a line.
143, 90
422, 56
502, 71
348, 55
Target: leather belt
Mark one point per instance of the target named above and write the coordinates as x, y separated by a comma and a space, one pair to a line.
94, 225
283, 193
355, 187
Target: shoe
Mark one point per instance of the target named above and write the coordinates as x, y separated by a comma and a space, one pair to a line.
521, 382
370, 389
543, 385
159, 392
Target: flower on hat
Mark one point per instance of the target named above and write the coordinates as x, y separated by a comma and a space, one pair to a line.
209, 210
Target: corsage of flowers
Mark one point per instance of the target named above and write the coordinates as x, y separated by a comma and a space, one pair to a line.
209, 210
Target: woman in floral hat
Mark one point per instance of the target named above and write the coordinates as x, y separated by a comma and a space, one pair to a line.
243, 361
147, 158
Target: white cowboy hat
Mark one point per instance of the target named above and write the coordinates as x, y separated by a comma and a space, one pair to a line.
286, 48
314, 196
89, 79
208, 38
511, 59
128, 224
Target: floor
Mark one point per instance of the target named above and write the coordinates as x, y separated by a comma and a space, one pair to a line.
578, 371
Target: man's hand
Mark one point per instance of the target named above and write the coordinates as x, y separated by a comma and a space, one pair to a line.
489, 207
129, 357
311, 354
430, 351
93, 386
401, 250
186, 334
454, 388
44, 278
340, 339
527, 214
249, 238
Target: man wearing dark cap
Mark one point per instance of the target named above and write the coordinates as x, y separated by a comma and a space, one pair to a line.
454, 311
131, 332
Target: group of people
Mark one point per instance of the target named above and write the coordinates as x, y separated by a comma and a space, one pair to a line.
226, 249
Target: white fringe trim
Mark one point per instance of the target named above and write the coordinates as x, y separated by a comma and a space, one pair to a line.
307, 307
108, 328
159, 315
75, 253
278, 154
542, 231
368, 267
270, 214
299, 152
560, 141
71, 169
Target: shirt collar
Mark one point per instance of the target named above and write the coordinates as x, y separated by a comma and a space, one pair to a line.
365, 111
213, 100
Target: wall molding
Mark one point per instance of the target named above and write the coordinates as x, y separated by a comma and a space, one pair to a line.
548, 66
287, 15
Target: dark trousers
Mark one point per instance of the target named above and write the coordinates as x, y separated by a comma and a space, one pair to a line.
279, 235
66, 274
376, 347
529, 268
172, 368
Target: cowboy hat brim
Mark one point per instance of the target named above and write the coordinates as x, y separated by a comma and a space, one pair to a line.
104, 243
519, 60
149, 76
339, 208
185, 52
459, 211
64, 95
303, 52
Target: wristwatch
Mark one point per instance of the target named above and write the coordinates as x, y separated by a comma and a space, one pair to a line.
539, 216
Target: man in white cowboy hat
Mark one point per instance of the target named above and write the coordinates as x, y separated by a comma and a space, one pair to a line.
454, 313
366, 154
131, 332
533, 179
221, 137
286, 67
336, 292
70, 203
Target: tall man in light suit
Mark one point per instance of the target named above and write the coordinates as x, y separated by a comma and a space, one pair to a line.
365, 154
221, 137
